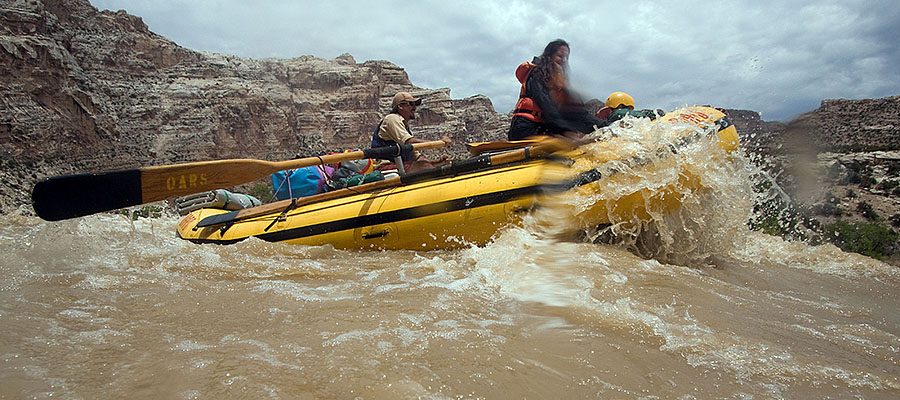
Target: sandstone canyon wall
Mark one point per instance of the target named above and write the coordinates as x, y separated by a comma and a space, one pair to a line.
85, 90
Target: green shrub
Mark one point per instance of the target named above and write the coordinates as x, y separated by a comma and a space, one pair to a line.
893, 169
851, 194
895, 219
769, 225
859, 174
854, 166
831, 207
262, 192
854, 172
827, 209
867, 181
887, 185
784, 222
867, 211
866, 238
835, 172
143, 212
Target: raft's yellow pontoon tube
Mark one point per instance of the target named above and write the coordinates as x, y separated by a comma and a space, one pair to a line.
468, 207
437, 213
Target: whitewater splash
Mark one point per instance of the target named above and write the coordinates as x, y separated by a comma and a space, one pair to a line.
671, 192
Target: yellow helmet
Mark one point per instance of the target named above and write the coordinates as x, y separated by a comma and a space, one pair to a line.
618, 99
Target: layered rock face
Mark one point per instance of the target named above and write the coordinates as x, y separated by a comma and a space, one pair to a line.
838, 125
858, 125
84, 91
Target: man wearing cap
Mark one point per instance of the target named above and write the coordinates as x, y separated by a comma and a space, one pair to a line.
394, 127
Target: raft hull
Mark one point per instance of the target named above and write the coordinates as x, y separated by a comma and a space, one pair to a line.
447, 212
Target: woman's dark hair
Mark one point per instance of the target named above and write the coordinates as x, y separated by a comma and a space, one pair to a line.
544, 66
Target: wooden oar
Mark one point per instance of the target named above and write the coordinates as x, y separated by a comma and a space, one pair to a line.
549, 145
72, 196
481, 147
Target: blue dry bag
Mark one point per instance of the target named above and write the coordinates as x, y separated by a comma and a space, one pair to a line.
303, 182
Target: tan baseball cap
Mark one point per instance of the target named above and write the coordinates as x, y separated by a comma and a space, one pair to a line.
405, 96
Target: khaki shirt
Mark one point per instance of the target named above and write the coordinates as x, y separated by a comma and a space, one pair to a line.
393, 127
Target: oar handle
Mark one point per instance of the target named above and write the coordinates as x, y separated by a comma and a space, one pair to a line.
387, 153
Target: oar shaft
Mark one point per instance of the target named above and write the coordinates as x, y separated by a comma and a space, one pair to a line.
454, 168
165, 182
72, 196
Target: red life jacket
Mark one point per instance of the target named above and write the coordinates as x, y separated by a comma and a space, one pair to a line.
525, 107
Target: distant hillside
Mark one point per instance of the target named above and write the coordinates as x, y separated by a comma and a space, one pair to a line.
836, 126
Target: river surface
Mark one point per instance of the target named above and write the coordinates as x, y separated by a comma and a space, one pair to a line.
105, 307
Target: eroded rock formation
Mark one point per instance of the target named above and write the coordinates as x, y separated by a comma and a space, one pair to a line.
85, 90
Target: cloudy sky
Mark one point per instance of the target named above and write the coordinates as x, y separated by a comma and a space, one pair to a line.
780, 58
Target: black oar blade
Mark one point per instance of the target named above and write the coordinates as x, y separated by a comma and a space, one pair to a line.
72, 196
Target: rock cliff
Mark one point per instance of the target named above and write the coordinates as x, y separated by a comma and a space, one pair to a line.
838, 125
85, 90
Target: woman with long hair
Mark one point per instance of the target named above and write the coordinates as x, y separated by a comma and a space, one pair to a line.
546, 105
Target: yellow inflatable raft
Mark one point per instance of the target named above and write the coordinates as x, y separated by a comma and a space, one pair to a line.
463, 206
